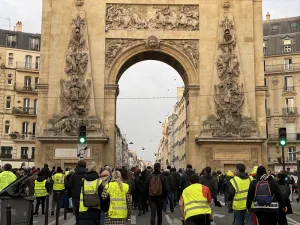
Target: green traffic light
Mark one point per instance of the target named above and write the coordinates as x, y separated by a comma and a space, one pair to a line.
282, 142
82, 140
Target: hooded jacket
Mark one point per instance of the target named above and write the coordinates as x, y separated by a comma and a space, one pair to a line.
209, 181
275, 191
185, 179
231, 190
74, 182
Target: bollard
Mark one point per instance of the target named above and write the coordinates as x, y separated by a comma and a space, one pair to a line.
66, 203
8, 215
31, 216
58, 205
47, 211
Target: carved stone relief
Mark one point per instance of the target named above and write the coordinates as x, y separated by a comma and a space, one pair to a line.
228, 94
79, 2
226, 4
75, 89
156, 17
114, 47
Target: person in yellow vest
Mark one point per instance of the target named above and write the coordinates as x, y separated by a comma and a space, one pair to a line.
58, 187
195, 203
7, 177
41, 190
67, 172
237, 194
89, 205
120, 201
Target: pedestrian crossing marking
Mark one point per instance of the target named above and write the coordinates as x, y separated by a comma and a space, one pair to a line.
133, 219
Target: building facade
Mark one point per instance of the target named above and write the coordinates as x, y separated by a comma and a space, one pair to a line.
19, 78
281, 48
121, 149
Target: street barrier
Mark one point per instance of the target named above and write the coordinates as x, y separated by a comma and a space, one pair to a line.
47, 211
8, 215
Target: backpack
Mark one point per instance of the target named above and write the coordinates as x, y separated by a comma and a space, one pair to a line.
263, 194
91, 199
155, 186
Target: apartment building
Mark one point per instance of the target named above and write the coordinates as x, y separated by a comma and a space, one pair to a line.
121, 149
281, 49
19, 76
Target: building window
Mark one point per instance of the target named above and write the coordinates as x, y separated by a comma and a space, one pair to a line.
27, 81
289, 102
28, 61
275, 27
6, 152
8, 102
264, 48
32, 152
10, 59
25, 126
36, 82
7, 127
288, 64
293, 27
9, 79
35, 106
37, 63
292, 154
26, 104
33, 129
24, 152
288, 83
11, 40
264, 65
287, 45
34, 44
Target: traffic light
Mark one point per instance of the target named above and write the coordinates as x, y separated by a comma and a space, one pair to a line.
282, 136
82, 135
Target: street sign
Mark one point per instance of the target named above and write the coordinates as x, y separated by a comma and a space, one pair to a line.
82, 151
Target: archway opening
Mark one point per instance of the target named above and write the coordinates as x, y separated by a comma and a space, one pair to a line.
149, 92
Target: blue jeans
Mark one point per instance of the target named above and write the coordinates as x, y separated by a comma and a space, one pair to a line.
170, 197
102, 217
242, 217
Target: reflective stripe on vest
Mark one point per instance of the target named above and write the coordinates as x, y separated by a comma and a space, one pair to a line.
194, 201
90, 187
118, 206
58, 182
241, 187
6, 178
40, 189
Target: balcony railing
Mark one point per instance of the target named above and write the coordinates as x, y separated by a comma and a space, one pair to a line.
282, 68
289, 137
290, 111
25, 88
28, 66
289, 88
24, 156
6, 156
24, 111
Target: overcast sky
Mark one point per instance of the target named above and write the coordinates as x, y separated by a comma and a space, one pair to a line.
138, 119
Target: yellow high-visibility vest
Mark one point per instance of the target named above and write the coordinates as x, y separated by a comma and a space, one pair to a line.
6, 178
241, 188
118, 206
58, 182
40, 188
67, 173
90, 187
194, 201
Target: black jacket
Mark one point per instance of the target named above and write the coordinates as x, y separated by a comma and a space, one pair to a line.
176, 179
46, 172
210, 182
185, 179
275, 191
165, 187
74, 183
170, 181
92, 215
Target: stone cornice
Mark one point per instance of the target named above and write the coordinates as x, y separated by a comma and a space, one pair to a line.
261, 88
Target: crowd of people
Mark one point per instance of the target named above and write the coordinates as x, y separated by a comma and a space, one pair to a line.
107, 196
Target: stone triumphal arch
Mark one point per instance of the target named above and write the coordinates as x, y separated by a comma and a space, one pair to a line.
214, 45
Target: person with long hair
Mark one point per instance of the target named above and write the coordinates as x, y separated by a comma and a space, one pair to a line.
267, 214
120, 201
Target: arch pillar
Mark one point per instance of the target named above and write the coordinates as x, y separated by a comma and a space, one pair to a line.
111, 92
193, 125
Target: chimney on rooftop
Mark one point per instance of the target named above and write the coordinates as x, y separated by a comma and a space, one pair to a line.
268, 17
18, 26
